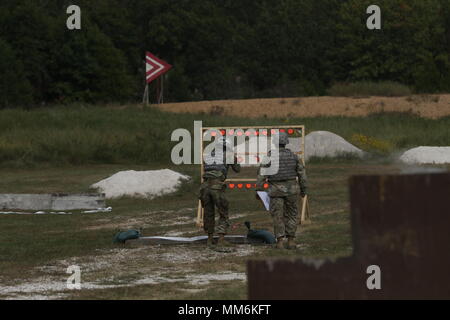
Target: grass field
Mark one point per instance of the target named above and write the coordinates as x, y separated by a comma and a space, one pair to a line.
68, 149
36, 250
97, 135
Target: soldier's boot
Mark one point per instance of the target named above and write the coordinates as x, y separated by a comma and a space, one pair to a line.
223, 245
291, 243
222, 242
280, 243
210, 242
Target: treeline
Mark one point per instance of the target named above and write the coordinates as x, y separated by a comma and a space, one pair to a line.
220, 49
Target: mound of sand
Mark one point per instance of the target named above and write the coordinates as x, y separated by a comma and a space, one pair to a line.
142, 184
427, 155
251, 151
317, 144
327, 144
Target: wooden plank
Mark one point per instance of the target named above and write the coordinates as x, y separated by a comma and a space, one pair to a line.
304, 216
406, 236
200, 209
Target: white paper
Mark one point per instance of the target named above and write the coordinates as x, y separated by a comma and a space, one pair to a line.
265, 199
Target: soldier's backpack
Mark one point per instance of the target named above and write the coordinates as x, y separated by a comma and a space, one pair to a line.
123, 236
264, 235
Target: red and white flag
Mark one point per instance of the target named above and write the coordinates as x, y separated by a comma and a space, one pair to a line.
154, 67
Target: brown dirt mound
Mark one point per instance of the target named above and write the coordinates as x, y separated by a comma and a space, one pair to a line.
427, 106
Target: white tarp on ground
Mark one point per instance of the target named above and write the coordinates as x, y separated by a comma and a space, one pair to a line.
99, 210
143, 184
427, 155
327, 144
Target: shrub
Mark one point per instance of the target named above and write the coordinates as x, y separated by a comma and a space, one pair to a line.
371, 144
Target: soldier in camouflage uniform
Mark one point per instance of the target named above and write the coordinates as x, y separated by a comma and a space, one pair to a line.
284, 189
212, 191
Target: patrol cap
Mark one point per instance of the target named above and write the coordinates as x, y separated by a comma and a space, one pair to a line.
283, 139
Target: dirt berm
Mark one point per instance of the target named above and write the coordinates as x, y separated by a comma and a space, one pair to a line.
427, 106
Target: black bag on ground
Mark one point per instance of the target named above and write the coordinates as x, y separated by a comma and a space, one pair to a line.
123, 236
264, 235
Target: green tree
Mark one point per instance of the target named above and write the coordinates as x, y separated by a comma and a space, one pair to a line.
196, 36
14, 87
407, 49
30, 31
87, 67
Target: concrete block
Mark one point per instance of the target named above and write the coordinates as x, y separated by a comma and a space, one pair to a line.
55, 201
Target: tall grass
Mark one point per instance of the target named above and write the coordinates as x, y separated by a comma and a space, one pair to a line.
89, 135
369, 88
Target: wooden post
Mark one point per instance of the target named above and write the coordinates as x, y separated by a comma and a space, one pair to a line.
305, 210
200, 210
303, 202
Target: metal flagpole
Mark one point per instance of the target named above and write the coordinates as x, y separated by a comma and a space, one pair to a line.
158, 90
145, 98
161, 100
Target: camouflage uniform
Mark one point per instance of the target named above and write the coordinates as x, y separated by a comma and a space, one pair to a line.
284, 190
212, 194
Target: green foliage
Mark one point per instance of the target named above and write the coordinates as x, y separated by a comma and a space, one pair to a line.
106, 135
368, 88
29, 30
410, 48
93, 69
371, 144
14, 87
224, 49
63, 65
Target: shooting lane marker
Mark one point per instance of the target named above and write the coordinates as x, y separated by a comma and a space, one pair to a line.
303, 203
